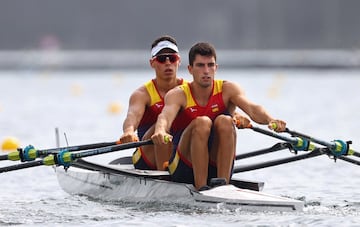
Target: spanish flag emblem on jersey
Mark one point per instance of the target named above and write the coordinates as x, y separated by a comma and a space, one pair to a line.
215, 108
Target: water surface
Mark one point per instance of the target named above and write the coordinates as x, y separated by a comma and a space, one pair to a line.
324, 104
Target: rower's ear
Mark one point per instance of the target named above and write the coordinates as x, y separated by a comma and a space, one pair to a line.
190, 69
151, 62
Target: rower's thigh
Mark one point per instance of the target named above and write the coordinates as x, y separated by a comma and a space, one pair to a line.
199, 129
223, 129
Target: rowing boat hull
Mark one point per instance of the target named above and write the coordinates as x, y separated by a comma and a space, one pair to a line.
145, 186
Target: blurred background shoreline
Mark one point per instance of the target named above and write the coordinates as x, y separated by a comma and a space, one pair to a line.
130, 59
111, 34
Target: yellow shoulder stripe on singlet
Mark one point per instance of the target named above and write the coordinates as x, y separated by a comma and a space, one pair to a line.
217, 86
154, 95
189, 99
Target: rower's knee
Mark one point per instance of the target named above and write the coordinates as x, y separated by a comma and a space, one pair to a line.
202, 126
224, 123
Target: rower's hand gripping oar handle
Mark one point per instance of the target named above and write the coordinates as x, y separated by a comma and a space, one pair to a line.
244, 122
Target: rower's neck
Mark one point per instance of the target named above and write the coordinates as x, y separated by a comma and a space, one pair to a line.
165, 85
201, 94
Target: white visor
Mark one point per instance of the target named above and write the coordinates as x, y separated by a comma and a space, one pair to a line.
162, 45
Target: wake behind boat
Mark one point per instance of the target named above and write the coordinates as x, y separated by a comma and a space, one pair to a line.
121, 182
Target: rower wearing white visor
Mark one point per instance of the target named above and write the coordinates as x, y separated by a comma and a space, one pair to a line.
147, 102
163, 45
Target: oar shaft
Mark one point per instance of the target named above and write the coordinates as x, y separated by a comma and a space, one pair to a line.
75, 148
298, 144
318, 141
331, 145
21, 166
302, 137
355, 153
314, 153
110, 149
276, 147
350, 160
30, 153
275, 135
65, 158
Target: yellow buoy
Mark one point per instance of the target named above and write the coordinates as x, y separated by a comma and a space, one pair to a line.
76, 90
115, 108
10, 144
276, 86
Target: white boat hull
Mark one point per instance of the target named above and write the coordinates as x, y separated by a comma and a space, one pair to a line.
140, 186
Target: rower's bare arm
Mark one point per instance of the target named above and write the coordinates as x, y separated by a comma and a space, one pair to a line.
137, 104
256, 112
174, 100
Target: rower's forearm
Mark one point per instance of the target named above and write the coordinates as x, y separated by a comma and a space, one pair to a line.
260, 116
128, 129
161, 125
130, 125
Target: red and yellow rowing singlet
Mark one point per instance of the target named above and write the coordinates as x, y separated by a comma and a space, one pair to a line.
153, 110
214, 108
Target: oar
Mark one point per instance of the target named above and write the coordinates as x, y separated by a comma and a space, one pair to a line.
301, 144
298, 143
29, 153
65, 158
314, 153
276, 147
338, 147
21, 166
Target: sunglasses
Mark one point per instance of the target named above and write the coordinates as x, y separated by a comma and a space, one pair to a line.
163, 57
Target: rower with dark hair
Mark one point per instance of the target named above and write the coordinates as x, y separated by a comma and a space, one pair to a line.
198, 116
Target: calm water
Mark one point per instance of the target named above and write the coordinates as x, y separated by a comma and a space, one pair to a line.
89, 107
